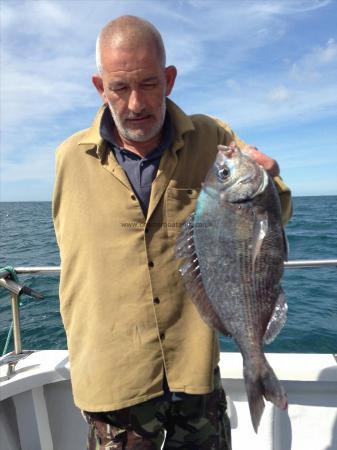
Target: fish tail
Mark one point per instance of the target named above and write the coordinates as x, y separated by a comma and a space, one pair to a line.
263, 383
272, 388
255, 398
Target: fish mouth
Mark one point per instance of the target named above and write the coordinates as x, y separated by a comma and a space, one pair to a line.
242, 200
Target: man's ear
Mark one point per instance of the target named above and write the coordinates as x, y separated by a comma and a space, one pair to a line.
98, 83
170, 74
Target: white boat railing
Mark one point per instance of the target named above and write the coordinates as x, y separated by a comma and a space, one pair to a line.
293, 264
16, 289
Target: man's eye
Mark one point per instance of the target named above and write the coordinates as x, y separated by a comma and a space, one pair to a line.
149, 85
118, 89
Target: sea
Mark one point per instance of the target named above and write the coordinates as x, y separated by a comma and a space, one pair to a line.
27, 239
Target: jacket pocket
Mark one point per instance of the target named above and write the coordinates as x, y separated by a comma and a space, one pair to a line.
180, 204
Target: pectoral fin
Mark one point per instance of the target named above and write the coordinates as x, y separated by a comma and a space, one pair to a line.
278, 319
260, 230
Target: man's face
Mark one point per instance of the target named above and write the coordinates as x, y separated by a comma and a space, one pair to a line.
134, 85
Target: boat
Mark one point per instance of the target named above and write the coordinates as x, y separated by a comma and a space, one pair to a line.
37, 410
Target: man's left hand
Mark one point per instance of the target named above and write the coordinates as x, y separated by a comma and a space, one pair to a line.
269, 164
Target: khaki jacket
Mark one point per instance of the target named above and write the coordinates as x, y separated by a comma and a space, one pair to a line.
125, 310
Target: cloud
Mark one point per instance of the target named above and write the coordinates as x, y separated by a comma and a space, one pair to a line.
317, 63
41, 23
233, 85
190, 55
37, 169
290, 6
52, 13
254, 108
38, 90
299, 90
279, 94
7, 16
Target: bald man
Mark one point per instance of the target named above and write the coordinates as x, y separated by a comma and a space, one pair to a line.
144, 365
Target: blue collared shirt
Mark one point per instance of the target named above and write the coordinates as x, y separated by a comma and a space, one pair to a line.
140, 171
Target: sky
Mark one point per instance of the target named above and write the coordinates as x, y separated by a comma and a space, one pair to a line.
268, 68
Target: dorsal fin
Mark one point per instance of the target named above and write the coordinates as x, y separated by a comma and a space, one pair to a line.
190, 272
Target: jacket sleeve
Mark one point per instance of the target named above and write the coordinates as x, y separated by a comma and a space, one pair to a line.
285, 199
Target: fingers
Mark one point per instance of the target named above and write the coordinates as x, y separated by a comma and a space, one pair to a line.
269, 164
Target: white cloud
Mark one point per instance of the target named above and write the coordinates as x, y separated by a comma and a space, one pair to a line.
317, 63
254, 108
290, 6
188, 58
51, 12
8, 16
274, 95
279, 94
39, 90
42, 20
329, 53
40, 168
234, 85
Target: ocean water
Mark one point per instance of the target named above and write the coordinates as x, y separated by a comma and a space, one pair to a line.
27, 239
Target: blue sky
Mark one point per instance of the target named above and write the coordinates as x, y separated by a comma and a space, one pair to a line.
268, 68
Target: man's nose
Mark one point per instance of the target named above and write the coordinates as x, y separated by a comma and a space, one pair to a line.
136, 103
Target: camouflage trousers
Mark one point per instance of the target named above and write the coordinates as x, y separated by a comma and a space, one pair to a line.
192, 422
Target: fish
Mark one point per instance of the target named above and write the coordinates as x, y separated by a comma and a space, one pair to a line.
233, 249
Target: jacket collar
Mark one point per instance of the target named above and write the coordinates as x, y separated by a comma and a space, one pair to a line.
182, 124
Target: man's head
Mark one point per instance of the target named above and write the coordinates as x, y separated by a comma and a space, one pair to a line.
132, 77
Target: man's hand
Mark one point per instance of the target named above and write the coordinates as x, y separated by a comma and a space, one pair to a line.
269, 164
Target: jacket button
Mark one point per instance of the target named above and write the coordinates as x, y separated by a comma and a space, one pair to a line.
133, 197
150, 264
156, 300
162, 336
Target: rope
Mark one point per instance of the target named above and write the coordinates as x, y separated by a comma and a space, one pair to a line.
12, 273
8, 339
14, 277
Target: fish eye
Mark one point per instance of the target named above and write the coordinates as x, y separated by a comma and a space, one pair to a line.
222, 173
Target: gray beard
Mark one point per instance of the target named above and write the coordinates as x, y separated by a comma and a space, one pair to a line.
135, 135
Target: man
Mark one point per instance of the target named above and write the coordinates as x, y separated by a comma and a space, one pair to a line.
143, 362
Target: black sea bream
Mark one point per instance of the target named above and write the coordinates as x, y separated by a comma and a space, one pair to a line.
234, 249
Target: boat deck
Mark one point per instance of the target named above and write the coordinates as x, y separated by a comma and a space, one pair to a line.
37, 410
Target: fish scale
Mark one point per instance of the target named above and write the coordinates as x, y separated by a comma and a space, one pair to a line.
231, 252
